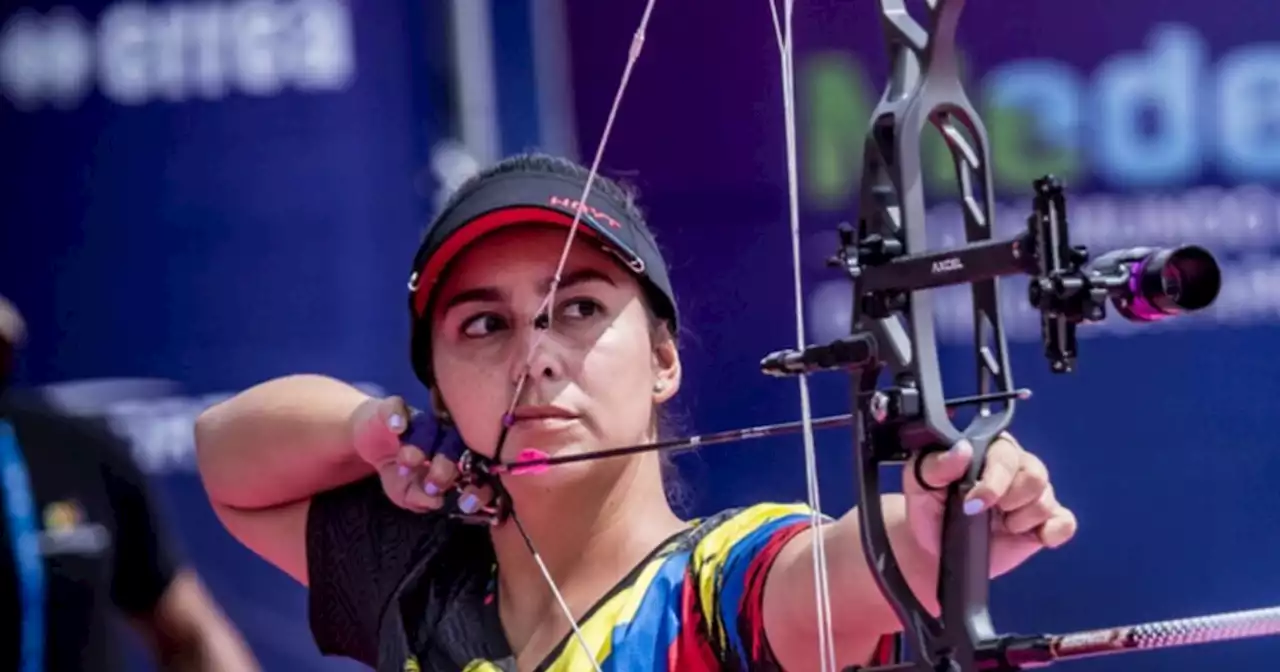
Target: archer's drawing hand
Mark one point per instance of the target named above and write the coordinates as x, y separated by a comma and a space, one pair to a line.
410, 452
1015, 486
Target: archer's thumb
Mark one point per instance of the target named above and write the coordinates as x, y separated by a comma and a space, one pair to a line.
393, 414
941, 469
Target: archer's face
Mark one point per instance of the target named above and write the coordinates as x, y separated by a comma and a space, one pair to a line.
592, 374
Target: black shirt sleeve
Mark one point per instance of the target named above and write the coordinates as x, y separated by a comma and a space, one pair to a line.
360, 547
146, 559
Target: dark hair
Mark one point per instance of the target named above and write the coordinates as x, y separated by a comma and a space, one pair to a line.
665, 421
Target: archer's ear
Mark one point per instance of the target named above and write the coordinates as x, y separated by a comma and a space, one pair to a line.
667, 370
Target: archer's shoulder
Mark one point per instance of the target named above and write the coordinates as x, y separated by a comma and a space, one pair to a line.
754, 524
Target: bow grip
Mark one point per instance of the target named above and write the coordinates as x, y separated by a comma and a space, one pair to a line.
964, 573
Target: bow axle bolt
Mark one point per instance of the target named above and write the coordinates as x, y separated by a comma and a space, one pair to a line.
879, 406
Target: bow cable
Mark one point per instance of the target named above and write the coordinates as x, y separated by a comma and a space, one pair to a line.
544, 316
784, 35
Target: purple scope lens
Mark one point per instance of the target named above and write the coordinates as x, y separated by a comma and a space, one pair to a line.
1170, 282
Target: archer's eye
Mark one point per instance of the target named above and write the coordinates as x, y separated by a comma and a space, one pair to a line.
482, 325
581, 309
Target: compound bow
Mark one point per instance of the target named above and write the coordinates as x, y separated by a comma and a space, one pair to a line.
891, 273
893, 337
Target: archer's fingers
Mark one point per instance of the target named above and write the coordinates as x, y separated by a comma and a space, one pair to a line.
409, 459
1059, 529
1029, 485
1032, 515
440, 477
393, 414
1003, 462
375, 425
473, 498
403, 488
940, 469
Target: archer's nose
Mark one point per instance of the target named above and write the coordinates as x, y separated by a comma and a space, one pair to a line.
538, 355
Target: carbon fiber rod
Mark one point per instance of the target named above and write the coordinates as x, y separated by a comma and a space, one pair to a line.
1034, 651
1041, 651
1169, 634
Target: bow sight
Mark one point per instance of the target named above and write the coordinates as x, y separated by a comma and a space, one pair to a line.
1143, 283
893, 333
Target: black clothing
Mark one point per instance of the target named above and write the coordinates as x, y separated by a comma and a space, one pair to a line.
99, 538
364, 555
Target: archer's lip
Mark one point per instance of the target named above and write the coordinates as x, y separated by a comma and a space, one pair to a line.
525, 413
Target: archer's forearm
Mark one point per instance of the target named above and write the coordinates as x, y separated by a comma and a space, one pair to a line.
860, 615
862, 607
279, 442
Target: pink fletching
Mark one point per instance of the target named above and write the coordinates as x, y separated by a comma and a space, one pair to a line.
530, 461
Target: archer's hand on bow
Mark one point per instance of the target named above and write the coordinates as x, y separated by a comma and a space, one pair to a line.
1015, 487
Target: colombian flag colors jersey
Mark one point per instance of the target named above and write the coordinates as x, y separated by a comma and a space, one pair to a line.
407, 592
693, 606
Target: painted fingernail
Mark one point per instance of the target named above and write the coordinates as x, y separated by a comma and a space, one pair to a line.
403, 471
960, 447
508, 420
469, 503
431, 489
395, 422
973, 507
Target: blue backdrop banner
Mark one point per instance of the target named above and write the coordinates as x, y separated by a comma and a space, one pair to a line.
198, 196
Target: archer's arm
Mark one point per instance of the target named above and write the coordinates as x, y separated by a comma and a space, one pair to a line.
264, 453
860, 614
1014, 483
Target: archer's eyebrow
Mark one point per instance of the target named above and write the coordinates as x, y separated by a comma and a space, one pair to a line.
493, 294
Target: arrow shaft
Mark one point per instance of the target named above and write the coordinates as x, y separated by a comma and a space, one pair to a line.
728, 436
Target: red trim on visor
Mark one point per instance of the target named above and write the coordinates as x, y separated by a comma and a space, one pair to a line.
470, 231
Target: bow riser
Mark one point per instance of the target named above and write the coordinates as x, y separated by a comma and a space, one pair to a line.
925, 89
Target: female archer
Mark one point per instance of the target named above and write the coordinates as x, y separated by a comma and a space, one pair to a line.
318, 479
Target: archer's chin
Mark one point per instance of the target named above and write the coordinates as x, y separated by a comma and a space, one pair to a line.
553, 436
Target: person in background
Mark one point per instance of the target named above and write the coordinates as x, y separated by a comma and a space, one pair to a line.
80, 538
